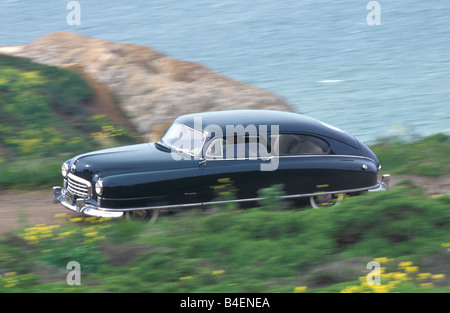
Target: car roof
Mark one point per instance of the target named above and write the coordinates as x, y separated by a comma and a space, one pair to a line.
288, 122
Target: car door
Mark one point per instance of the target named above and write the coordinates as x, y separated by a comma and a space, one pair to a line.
232, 169
304, 165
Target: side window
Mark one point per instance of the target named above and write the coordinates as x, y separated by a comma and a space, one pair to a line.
215, 149
237, 147
299, 144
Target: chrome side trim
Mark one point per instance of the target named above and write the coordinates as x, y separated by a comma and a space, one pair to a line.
158, 207
285, 156
332, 192
82, 207
178, 206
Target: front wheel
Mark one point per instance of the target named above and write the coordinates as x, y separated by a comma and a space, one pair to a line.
143, 215
328, 200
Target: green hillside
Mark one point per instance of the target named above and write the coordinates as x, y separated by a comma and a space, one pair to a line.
44, 119
252, 250
429, 157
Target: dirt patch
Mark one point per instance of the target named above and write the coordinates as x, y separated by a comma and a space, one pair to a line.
28, 208
433, 186
333, 273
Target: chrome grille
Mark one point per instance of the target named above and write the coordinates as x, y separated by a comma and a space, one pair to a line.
79, 187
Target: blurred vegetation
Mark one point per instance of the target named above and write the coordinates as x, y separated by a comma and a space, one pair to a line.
44, 120
428, 156
252, 250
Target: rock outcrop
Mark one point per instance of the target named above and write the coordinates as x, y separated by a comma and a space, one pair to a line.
150, 88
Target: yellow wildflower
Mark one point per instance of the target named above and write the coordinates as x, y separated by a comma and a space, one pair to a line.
438, 276
217, 272
411, 269
300, 289
105, 219
387, 275
31, 238
379, 288
351, 289
91, 234
185, 277
32, 75
9, 285
423, 276
405, 264
10, 274
426, 285
399, 276
364, 284
382, 260
10, 280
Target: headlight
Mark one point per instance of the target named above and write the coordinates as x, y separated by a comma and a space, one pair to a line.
65, 169
99, 187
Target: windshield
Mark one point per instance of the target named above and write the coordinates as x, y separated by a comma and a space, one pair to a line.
183, 138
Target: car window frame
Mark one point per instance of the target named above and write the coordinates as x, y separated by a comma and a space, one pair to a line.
327, 152
247, 137
184, 150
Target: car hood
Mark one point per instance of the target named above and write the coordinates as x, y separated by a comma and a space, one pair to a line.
128, 159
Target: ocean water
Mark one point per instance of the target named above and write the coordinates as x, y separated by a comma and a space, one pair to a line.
322, 57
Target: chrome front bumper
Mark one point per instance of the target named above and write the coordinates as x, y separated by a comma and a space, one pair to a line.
384, 184
81, 206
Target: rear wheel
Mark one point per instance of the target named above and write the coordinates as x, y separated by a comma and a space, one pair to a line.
322, 201
143, 215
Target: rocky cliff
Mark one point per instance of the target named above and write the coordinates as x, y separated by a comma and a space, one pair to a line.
151, 89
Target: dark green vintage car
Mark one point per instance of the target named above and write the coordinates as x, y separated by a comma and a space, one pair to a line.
202, 153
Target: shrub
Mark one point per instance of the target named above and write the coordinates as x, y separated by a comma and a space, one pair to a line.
271, 198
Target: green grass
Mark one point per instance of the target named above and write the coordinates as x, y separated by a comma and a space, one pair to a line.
31, 96
253, 250
45, 119
428, 156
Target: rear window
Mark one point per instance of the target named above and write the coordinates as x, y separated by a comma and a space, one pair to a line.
299, 144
